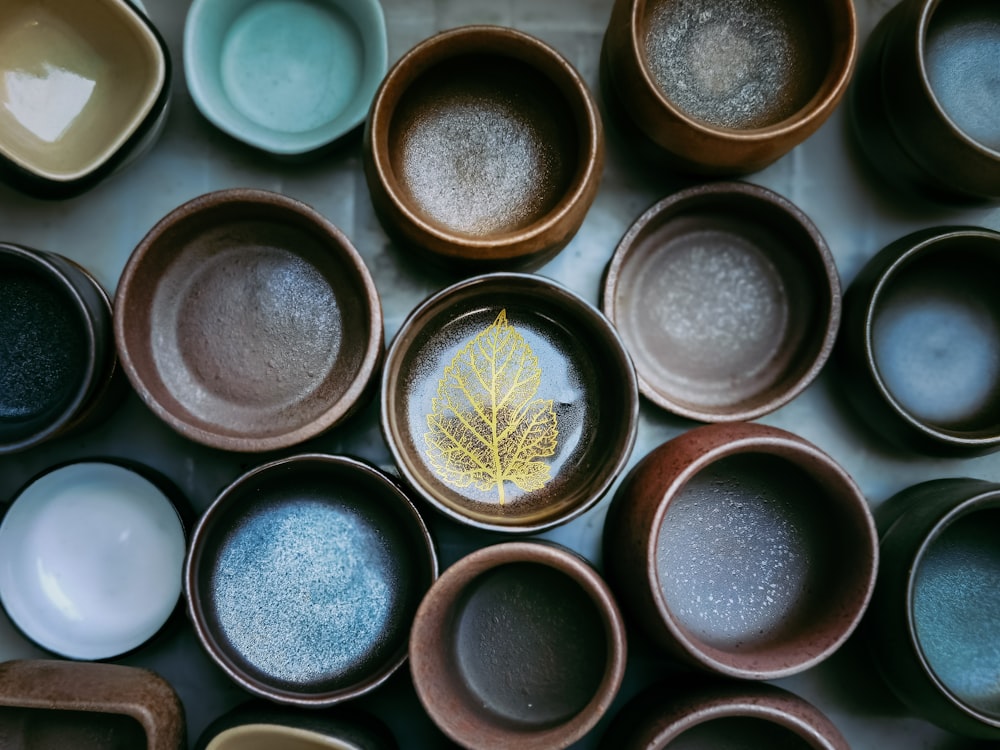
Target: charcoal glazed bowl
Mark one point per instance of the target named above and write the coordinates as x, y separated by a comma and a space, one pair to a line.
303, 577
728, 299
518, 645
920, 342
725, 98
934, 620
741, 549
247, 321
484, 149
509, 402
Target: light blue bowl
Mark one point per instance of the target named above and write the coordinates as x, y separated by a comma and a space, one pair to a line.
285, 76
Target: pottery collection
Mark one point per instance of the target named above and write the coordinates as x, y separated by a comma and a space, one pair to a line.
397, 436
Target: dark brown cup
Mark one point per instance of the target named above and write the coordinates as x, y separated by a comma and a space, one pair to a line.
483, 149
727, 545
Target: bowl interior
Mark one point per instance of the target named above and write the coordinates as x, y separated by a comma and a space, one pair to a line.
738, 733
509, 403
78, 81
269, 736
55, 729
725, 303
935, 336
304, 579
287, 76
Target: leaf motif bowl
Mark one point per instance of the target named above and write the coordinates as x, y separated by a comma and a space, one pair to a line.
508, 402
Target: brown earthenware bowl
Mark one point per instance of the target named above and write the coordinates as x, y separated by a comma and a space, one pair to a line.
742, 549
248, 322
484, 148
722, 86
728, 299
518, 646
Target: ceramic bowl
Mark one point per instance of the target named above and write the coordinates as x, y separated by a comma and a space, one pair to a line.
701, 715
86, 90
518, 645
934, 621
924, 107
303, 577
90, 559
248, 322
55, 705
508, 402
288, 77
722, 87
921, 341
728, 299
727, 544
59, 364
484, 148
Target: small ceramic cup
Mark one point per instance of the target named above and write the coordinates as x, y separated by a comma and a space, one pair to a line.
484, 149
924, 107
518, 645
728, 299
91, 555
920, 342
934, 621
285, 77
60, 367
101, 102
303, 577
725, 87
699, 714
742, 549
509, 402
247, 321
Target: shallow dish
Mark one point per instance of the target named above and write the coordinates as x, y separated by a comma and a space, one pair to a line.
508, 402
303, 577
247, 321
727, 298
85, 90
286, 76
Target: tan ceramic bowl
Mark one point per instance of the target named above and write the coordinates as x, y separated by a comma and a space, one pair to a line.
483, 148
248, 322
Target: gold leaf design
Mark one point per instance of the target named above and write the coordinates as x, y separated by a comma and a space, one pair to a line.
486, 427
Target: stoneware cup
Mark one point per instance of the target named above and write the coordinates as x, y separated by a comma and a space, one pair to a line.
484, 149
518, 645
722, 87
303, 578
59, 370
742, 549
55, 705
102, 102
728, 299
693, 714
920, 343
934, 621
924, 106
509, 403
247, 321
288, 78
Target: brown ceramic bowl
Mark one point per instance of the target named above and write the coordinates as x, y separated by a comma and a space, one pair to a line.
508, 402
728, 299
729, 545
248, 322
920, 344
924, 106
55, 705
303, 577
59, 355
702, 715
483, 148
725, 86
518, 645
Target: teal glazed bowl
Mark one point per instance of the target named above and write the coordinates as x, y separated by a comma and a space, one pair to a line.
285, 76
934, 621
